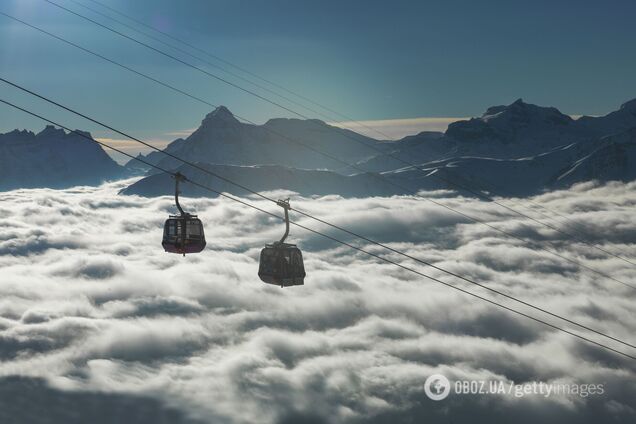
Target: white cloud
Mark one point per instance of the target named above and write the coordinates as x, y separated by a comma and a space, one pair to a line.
90, 303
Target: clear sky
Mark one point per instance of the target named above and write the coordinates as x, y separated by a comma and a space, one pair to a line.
371, 60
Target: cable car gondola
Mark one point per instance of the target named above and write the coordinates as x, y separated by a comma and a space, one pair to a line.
282, 263
182, 233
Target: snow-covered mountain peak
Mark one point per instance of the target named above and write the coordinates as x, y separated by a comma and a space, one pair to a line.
494, 110
528, 127
522, 113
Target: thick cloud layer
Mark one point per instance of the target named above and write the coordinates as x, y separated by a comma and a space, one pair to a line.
95, 316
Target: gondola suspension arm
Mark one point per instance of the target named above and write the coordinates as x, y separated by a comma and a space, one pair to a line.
285, 205
178, 177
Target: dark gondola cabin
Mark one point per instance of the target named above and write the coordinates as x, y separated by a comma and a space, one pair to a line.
182, 233
176, 240
282, 263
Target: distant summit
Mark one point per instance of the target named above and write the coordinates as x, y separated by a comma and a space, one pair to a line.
526, 126
520, 113
219, 117
51, 132
222, 139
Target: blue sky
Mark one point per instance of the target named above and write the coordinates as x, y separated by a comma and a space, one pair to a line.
371, 60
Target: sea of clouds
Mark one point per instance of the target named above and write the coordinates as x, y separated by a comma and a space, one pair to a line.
98, 324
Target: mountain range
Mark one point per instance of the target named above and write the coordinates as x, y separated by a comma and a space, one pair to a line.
516, 149
53, 158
